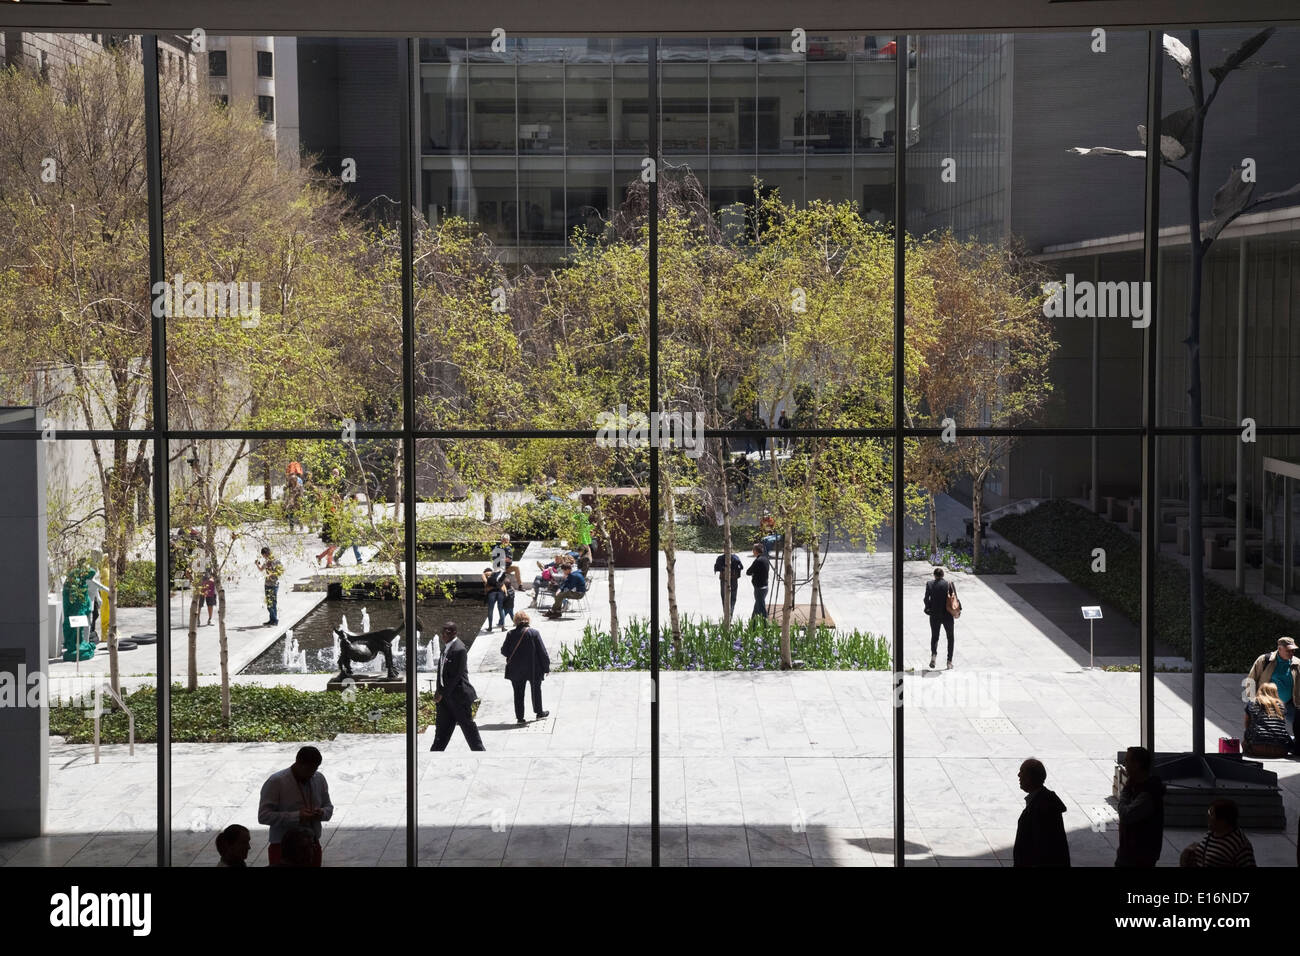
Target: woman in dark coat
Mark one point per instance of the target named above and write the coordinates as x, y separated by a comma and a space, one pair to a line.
526, 662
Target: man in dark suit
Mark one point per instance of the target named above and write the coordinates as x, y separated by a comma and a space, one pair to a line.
454, 700
936, 606
1040, 832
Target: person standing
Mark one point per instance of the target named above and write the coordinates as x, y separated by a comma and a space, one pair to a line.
736, 568
292, 496
1225, 845
758, 572
1266, 670
296, 796
937, 594
1141, 811
527, 662
1040, 831
209, 586
271, 568
455, 696
785, 425
497, 588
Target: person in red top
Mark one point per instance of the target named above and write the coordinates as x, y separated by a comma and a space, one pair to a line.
209, 587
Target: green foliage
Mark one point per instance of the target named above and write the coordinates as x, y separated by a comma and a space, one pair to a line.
708, 538
136, 587
708, 646
544, 520
1062, 535
258, 714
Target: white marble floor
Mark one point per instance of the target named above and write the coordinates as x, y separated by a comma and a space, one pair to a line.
789, 768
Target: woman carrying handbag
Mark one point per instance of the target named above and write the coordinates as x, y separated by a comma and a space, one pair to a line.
526, 662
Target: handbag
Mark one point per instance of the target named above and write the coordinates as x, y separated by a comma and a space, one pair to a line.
1229, 745
954, 604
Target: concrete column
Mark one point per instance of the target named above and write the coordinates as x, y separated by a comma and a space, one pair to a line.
24, 730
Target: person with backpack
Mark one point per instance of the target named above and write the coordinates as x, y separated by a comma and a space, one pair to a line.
943, 607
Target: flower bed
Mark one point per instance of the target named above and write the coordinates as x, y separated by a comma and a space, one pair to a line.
751, 645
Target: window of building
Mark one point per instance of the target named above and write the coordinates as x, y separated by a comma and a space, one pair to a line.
266, 108
223, 99
216, 63
264, 63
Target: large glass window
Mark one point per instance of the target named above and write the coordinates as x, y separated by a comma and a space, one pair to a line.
1023, 360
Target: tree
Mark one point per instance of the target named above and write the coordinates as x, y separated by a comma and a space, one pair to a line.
987, 352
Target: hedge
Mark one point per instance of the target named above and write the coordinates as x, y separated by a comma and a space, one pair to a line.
1063, 535
257, 714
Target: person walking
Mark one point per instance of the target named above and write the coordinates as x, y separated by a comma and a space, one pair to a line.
233, 844
1141, 811
527, 662
940, 603
1286, 678
1225, 845
736, 568
758, 573
296, 796
455, 696
1040, 831
271, 568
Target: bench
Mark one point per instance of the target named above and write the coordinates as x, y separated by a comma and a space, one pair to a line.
1184, 539
1221, 546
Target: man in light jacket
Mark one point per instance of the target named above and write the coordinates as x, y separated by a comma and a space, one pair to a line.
296, 796
1287, 679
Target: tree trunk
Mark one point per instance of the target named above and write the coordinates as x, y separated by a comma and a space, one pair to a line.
192, 677
113, 676
977, 510
787, 606
607, 541
726, 540
816, 586
934, 526
225, 651
669, 541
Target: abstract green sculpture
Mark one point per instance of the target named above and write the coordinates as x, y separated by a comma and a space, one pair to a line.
81, 590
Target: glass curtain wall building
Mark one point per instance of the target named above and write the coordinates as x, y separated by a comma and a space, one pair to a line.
305, 398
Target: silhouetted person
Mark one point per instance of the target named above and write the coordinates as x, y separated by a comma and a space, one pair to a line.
233, 843
736, 568
297, 848
758, 571
1225, 845
1040, 832
1141, 812
936, 606
527, 662
455, 696
296, 797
